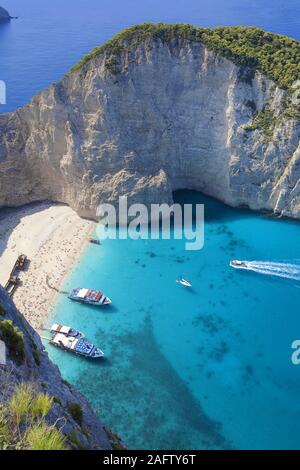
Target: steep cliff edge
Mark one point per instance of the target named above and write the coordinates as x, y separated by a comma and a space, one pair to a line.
28, 363
159, 108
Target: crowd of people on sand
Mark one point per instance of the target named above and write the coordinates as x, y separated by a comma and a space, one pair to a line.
52, 237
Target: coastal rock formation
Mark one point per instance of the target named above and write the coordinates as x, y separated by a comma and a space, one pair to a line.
4, 15
146, 116
33, 366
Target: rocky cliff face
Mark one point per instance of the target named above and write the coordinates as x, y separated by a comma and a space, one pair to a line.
172, 115
37, 369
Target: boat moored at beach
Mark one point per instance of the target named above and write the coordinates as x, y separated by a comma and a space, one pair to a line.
66, 330
14, 280
79, 346
88, 296
235, 263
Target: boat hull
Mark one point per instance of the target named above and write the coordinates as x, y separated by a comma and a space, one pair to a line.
184, 283
235, 265
62, 348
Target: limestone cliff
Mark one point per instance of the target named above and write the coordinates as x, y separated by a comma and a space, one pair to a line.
153, 114
30, 364
4, 15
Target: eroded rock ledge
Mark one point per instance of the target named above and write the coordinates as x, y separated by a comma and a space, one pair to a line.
146, 117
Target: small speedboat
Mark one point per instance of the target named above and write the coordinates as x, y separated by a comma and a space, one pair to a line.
66, 330
235, 263
89, 296
184, 282
79, 346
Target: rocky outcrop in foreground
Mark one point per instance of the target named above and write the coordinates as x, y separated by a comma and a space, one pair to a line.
162, 108
27, 362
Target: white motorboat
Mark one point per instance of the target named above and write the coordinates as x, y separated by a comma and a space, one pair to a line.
79, 346
184, 282
88, 296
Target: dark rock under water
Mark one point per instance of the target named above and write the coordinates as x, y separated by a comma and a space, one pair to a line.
4, 15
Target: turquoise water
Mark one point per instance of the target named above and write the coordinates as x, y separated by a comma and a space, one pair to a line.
203, 368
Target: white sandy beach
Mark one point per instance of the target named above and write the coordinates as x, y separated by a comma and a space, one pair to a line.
53, 237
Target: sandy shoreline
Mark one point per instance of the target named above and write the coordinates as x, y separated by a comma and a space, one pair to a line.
53, 237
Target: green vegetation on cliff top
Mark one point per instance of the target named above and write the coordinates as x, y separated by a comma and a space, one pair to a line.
23, 424
276, 56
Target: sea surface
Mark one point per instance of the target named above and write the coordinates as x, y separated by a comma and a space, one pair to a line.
207, 367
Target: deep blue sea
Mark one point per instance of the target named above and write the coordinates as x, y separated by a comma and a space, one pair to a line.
208, 367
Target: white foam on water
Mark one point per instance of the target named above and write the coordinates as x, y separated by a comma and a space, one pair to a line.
288, 270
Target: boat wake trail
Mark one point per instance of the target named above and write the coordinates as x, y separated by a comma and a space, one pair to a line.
283, 269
